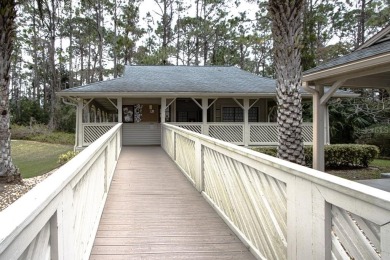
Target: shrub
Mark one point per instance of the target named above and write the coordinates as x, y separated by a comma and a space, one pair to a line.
55, 138
21, 132
340, 155
337, 155
40, 133
378, 135
66, 157
266, 150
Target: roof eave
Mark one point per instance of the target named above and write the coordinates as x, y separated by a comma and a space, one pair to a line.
161, 94
348, 68
179, 94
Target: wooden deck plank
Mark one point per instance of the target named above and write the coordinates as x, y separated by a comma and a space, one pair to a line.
153, 212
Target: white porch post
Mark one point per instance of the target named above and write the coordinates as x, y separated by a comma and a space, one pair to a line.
119, 104
88, 112
327, 127
246, 122
80, 128
163, 108
205, 105
318, 130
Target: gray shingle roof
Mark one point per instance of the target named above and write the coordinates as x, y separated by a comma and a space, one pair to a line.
182, 79
377, 49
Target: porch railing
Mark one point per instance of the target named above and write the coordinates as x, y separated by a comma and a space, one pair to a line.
58, 218
281, 210
258, 133
92, 131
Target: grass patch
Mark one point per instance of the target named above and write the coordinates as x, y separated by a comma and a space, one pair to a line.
36, 158
41, 133
373, 171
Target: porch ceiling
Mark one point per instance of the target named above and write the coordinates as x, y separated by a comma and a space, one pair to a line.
106, 104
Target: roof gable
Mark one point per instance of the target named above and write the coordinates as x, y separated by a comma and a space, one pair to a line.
376, 46
383, 35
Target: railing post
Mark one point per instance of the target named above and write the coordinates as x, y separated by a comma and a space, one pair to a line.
54, 237
106, 183
322, 226
65, 217
308, 222
199, 166
174, 144
299, 228
385, 241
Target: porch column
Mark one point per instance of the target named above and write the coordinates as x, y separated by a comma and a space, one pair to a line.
318, 130
205, 105
246, 129
163, 108
327, 126
79, 122
119, 104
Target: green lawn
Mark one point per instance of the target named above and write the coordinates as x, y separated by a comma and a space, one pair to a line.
36, 158
374, 171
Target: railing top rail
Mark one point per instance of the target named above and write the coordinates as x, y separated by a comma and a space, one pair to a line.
353, 189
231, 123
18, 215
97, 124
274, 123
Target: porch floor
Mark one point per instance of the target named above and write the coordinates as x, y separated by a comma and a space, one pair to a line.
153, 212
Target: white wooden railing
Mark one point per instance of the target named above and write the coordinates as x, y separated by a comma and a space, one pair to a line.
258, 133
281, 210
92, 131
58, 218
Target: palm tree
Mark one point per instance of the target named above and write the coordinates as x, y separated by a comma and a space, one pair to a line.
7, 36
286, 16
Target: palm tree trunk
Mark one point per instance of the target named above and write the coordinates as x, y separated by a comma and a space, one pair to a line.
287, 29
7, 36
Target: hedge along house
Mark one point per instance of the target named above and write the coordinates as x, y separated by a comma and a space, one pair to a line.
223, 102
366, 67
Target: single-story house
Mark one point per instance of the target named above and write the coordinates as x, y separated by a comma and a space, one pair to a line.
366, 67
223, 102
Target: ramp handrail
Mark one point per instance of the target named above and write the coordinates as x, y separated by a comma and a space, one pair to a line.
281, 210
58, 218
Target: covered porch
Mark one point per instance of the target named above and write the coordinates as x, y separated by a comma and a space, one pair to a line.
243, 121
368, 67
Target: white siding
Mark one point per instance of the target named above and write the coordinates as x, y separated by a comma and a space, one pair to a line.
141, 134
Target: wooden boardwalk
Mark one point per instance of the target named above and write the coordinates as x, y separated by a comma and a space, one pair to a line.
153, 212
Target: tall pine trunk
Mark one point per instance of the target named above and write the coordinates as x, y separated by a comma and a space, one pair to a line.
70, 50
7, 37
53, 73
286, 19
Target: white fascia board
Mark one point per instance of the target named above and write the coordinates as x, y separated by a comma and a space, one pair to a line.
179, 94
162, 94
348, 68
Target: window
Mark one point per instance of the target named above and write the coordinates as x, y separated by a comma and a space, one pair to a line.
253, 114
235, 114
